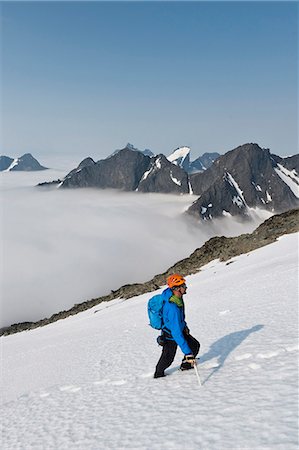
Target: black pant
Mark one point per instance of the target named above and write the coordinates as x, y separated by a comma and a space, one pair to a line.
169, 351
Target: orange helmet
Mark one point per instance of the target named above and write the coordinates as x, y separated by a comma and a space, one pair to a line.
175, 280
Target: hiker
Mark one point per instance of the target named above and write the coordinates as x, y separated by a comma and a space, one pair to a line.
174, 328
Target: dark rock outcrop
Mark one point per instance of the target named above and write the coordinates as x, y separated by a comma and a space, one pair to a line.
123, 171
85, 163
242, 178
163, 176
50, 184
145, 152
129, 171
290, 162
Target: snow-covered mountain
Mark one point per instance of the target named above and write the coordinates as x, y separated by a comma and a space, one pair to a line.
24, 163
122, 170
243, 179
86, 381
181, 157
163, 176
129, 170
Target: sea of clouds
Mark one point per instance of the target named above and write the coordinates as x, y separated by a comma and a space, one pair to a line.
61, 247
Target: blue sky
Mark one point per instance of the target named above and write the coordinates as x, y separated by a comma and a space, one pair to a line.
87, 77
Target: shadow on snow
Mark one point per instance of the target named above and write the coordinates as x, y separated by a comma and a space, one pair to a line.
224, 346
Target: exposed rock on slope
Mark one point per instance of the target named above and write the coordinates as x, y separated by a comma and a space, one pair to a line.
129, 170
243, 179
246, 177
122, 170
163, 176
218, 247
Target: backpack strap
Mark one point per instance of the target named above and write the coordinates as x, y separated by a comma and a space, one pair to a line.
167, 333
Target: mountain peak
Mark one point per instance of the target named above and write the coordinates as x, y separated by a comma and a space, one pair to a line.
145, 152
24, 163
180, 157
131, 147
245, 178
180, 152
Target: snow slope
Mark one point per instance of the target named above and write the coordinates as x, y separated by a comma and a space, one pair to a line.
86, 382
180, 157
289, 177
179, 153
12, 165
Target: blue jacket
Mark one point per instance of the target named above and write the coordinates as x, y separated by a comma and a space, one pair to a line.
174, 321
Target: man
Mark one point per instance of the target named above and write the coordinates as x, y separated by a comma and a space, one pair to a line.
174, 329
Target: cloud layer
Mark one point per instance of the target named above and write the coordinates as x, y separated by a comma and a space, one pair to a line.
65, 247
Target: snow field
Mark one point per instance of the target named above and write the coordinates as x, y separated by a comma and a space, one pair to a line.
86, 382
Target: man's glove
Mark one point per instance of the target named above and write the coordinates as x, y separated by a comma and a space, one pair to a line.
189, 359
186, 330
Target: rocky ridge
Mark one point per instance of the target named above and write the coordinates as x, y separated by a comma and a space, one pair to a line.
237, 182
244, 178
219, 247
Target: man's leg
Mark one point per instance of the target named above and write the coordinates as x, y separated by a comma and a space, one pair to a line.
194, 346
167, 357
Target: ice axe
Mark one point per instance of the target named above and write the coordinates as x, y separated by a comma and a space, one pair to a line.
196, 371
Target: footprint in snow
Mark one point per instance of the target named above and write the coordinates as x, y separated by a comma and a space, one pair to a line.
106, 381
118, 382
69, 388
254, 366
269, 355
75, 389
244, 356
223, 313
44, 394
292, 348
101, 382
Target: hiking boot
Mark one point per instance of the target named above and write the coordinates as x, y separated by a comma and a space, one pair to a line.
186, 366
159, 375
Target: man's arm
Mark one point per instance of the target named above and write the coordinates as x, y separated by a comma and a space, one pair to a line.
174, 326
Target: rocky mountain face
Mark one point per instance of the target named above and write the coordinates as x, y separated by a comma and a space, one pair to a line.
24, 163
145, 152
163, 176
290, 162
129, 171
246, 177
123, 170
